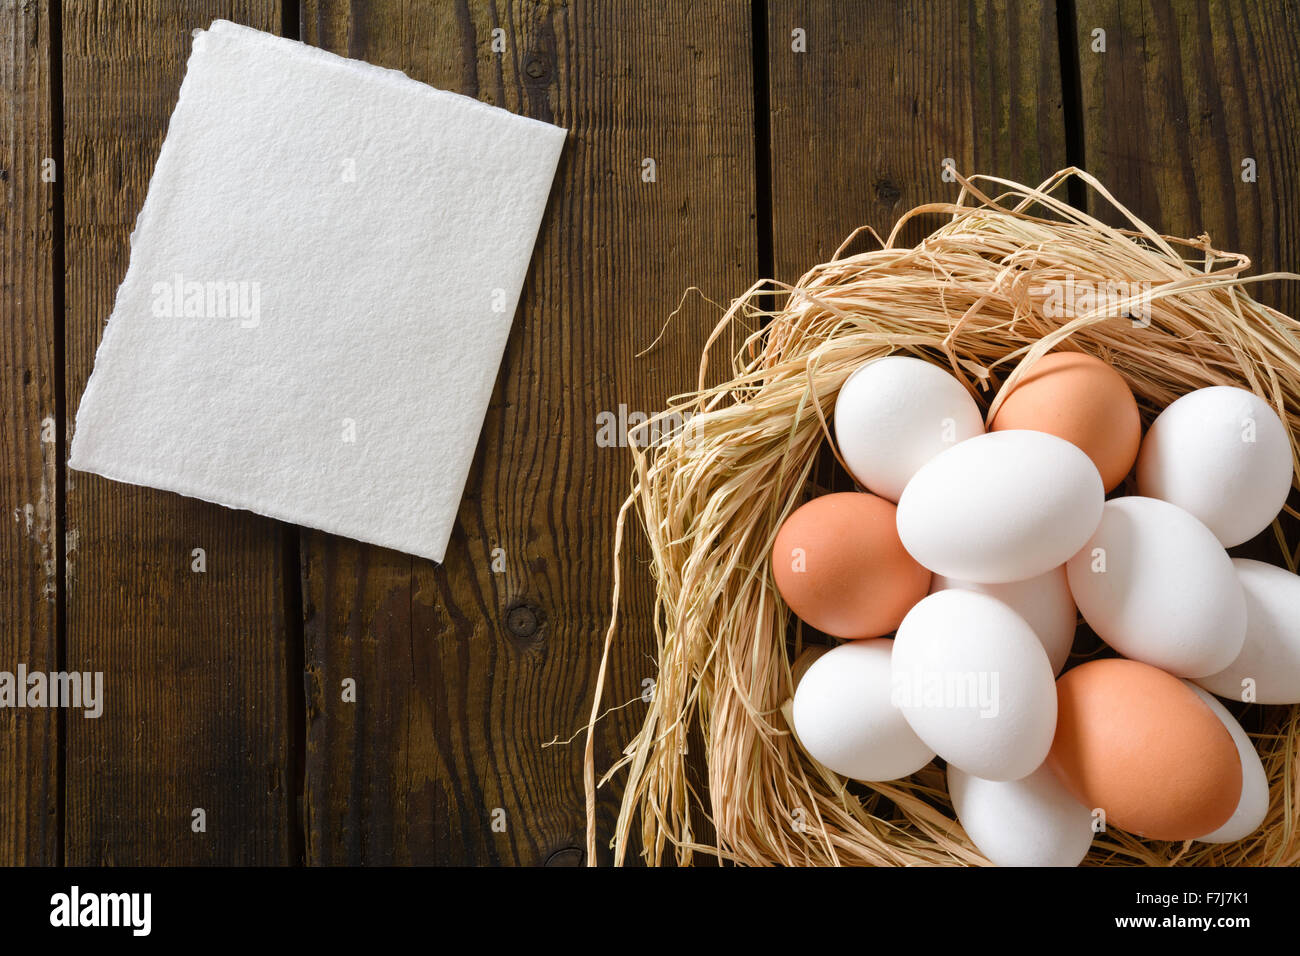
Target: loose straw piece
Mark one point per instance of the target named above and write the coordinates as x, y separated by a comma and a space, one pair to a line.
973, 298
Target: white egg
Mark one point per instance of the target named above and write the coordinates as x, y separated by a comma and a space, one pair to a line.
1270, 654
1222, 454
974, 682
1033, 821
1044, 602
896, 413
1156, 585
1001, 507
1252, 806
845, 720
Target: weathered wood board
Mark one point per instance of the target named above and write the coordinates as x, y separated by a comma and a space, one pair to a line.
197, 695
463, 672
29, 382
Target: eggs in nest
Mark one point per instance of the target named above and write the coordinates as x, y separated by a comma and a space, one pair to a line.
978, 546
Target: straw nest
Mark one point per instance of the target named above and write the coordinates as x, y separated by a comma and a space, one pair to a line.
712, 494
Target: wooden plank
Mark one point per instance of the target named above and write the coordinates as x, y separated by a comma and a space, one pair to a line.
863, 119
1183, 94
29, 493
463, 672
196, 712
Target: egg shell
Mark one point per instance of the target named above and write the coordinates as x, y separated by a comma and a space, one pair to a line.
1142, 746
1082, 399
840, 566
1197, 455
844, 719
1252, 805
1044, 602
1033, 821
974, 682
1001, 507
894, 414
1270, 653
1157, 586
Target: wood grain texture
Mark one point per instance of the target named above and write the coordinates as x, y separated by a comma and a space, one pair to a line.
862, 121
464, 672
29, 494
1183, 93
196, 712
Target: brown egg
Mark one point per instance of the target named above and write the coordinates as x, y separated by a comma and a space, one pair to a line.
1083, 400
1139, 744
840, 566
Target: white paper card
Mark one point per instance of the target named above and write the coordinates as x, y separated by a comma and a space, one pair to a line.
321, 285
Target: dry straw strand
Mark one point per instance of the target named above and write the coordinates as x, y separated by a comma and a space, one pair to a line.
710, 497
